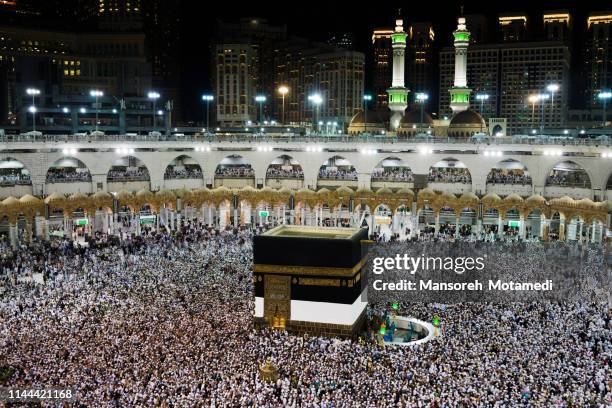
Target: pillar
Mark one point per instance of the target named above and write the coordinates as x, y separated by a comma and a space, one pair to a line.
561, 227
457, 226
544, 228
437, 226
13, 234
67, 227
522, 227
500, 226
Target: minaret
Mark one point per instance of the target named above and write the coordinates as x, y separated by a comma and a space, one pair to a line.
460, 93
398, 94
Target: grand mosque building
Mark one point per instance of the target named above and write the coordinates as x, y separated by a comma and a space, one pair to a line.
393, 185
464, 123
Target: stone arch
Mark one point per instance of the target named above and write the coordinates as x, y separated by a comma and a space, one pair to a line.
233, 169
509, 171
392, 169
14, 171
337, 168
284, 166
128, 168
568, 173
449, 170
183, 167
234, 164
68, 169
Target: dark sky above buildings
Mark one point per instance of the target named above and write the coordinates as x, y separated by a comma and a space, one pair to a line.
320, 19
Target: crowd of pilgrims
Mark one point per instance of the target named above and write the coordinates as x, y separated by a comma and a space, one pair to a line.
336, 173
12, 178
128, 173
66, 175
186, 172
166, 320
287, 173
392, 174
449, 175
502, 176
235, 171
568, 178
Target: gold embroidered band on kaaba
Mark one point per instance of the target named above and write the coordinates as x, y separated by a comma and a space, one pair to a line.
310, 270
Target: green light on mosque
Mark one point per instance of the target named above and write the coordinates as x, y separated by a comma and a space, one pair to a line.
398, 38
382, 330
395, 306
460, 97
436, 321
462, 36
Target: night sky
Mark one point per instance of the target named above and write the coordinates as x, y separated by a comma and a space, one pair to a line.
319, 20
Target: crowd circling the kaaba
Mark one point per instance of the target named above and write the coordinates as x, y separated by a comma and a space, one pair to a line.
166, 320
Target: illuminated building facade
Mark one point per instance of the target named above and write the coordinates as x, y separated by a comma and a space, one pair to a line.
308, 68
381, 71
60, 63
512, 27
508, 74
557, 25
598, 61
420, 59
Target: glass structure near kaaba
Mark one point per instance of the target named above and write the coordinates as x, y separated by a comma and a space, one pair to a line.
308, 279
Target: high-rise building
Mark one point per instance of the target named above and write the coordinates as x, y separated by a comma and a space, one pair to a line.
419, 75
254, 41
477, 24
459, 92
598, 52
509, 74
381, 71
120, 15
526, 70
307, 68
262, 59
512, 27
557, 25
235, 83
482, 75
67, 63
398, 93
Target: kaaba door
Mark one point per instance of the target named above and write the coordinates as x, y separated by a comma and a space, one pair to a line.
277, 300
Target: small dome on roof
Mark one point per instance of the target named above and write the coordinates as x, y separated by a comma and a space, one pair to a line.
414, 118
467, 117
374, 118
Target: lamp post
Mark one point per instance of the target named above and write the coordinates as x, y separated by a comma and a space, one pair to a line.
96, 94
421, 98
366, 99
33, 92
552, 88
317, 100
154, 96
533, 99
283, 90
542, 98
260, 99
604, 96
207, 98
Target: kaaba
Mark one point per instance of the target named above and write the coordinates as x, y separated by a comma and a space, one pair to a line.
308, 279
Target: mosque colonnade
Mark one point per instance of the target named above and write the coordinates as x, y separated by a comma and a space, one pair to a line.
383, 211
